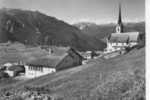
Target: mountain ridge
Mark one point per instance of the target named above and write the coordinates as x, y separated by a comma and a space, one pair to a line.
102, 30
35, 28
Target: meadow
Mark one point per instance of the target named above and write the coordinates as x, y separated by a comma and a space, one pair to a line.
119, 78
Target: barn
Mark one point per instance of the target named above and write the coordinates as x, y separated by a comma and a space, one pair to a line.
60, 58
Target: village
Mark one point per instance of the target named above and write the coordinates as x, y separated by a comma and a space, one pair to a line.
45, 58
56, 59
60, 58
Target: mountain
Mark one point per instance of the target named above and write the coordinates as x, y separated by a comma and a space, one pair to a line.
35, 28
101, 31
83, 25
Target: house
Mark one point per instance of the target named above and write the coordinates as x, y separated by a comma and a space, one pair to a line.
87, 55
121, 40
15, 70
61, 58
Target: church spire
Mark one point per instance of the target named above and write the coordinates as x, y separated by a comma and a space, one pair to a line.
120, 17
119, 27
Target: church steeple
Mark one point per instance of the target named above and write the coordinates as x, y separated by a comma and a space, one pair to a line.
119, 27
120, 17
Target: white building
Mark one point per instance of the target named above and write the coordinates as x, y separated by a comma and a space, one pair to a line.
33, 71
121, 40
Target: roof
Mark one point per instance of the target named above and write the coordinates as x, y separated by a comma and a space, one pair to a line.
133, 36
124, 37
16, 68
45, 62
59, 51
119, 38
51, 60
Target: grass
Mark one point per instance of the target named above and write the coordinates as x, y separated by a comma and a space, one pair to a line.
118, 78
121, 86
18, 52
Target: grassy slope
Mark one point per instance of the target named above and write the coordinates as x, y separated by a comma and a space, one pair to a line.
99, 77
18, 52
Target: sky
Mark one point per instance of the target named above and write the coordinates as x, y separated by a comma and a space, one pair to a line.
74, 11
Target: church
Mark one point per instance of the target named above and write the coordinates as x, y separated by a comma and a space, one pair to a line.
120, 40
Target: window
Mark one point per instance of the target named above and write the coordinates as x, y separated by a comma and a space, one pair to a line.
42, 69
37, 68
30, 67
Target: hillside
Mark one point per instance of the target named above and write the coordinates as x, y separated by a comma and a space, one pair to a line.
16, 52
35, 28
114, 79
100, 31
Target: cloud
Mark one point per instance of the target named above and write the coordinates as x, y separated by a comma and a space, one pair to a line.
96, 21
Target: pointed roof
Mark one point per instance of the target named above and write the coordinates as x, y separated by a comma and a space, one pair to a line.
124, 37
51, 60
120, 15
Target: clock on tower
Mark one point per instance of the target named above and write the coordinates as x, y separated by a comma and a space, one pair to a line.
118, 29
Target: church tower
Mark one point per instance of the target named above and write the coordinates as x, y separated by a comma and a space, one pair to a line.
119, 27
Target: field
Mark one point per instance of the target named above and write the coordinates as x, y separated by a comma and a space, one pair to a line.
17, 52
120, 78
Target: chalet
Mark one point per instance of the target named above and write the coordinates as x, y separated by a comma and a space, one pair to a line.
61, 58
121, 40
